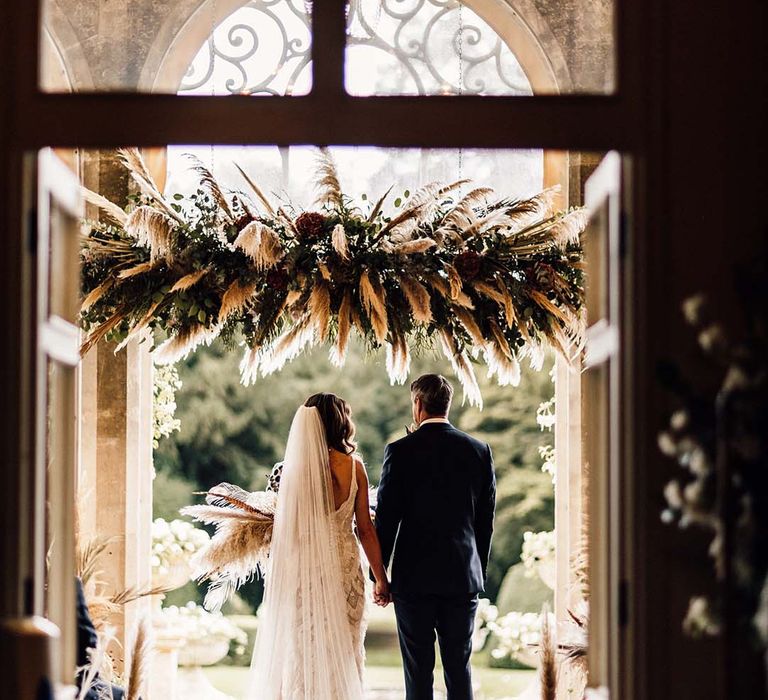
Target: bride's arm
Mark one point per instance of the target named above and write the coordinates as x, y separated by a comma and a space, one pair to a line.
365, 528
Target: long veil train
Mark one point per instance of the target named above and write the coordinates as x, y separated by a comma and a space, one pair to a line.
304, 648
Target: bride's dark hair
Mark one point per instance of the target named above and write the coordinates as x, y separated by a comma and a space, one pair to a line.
336, 415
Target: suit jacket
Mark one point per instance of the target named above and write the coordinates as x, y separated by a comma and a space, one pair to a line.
435, 507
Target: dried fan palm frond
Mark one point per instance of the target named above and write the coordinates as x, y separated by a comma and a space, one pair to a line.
419, 208
140, 656
339, 241
523, 213
418, 298
413, 247
338, 352
463, 369
111, 209
224, 494
96, 293
177, 347
259, 194
570, 227
189, 280
547, 657
209, 184
328, 185
154, 229
235, 298
377, 207
374, 300
320, 309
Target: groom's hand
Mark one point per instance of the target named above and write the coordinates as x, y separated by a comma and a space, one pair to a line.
381, 594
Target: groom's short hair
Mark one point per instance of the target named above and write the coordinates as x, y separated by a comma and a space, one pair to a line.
435, 392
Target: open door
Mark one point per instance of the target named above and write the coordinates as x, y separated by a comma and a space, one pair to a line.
603, 411
59, 211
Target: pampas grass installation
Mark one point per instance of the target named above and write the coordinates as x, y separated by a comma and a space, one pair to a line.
140, 658
501, 277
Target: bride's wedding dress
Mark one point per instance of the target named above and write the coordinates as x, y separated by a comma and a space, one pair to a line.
309, 644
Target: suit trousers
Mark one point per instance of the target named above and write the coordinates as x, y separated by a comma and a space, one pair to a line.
452, 619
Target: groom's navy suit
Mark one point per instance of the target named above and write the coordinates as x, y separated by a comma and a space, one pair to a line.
435, 508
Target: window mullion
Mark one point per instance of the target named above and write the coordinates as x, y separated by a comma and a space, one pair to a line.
329, 39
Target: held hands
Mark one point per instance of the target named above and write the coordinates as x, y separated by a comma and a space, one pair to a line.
381, 594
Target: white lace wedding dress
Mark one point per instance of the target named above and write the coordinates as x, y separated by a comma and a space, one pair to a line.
311, 627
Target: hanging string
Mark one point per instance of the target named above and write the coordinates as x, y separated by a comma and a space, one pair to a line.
212, 154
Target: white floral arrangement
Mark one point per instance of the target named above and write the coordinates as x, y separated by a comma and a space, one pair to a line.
516, 633
196, 624
174, 544
538, 555
547, 454
165, 384
486, 615
545, 415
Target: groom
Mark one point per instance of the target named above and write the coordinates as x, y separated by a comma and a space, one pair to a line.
436, 503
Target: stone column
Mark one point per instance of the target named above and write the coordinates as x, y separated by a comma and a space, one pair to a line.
116, 473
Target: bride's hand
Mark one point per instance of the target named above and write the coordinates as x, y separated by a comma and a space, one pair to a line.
381, 594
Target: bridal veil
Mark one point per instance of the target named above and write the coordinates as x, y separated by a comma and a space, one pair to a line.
304, 649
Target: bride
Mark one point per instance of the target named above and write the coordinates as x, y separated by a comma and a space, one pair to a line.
312, 622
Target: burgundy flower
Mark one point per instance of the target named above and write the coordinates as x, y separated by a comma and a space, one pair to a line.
468, 264
277, 279
310, 224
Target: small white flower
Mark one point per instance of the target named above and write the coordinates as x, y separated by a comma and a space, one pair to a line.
711, 337
673, 495
679, 419
667, 444
693, 307
699, 464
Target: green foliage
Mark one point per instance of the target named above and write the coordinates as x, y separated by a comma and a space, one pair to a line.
230, 432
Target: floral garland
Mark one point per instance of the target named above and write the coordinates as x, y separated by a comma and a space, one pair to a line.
497, 278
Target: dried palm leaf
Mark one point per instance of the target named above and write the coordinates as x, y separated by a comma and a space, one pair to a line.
373, 296
209, 184
523, 213
235, 298
547, 657
189, 280
328, 185
320, 309
339, 241
180, 345
338, 352
140, 656
418, 298
259, 194
111, 209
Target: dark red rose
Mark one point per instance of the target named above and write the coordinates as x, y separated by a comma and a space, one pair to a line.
277, 279
468, 264
310, 224
242, 220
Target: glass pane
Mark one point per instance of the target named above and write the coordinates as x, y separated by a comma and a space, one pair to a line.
207, 47
434, 47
